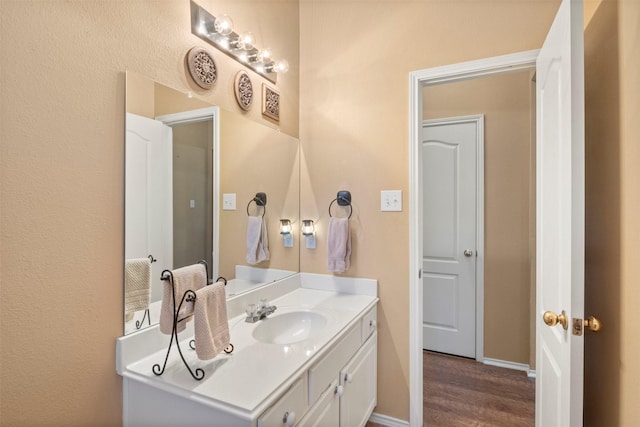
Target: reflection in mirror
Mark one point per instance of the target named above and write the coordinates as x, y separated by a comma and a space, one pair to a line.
182, 158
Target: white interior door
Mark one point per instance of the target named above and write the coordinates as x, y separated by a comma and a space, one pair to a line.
449, 185
560, 218
149, 195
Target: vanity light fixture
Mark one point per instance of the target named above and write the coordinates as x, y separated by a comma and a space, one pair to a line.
308, 228
285, 226
287, 235
309, 233
218, 31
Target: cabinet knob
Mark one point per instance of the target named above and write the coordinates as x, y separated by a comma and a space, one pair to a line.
289, 418
372, 324
348, 378
339, 390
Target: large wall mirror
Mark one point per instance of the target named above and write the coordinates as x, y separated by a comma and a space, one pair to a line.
183, 157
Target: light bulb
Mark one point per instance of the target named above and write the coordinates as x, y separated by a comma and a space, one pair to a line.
281, 66
264, 55
223, 25
246, 41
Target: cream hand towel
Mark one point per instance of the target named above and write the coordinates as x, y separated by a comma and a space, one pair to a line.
137, 285
192, 277
211, 327
257, 240
339, 245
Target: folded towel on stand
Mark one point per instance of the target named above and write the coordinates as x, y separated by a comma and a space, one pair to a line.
339, 245
211, 327
189, 278
257, 240
137, 285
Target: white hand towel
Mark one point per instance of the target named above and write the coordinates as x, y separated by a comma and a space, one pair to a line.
192, 277
137, 285
339, 245
257, 240
211, 327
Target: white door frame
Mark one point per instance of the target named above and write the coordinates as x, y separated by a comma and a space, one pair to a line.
478, 119
202, 114
417, 80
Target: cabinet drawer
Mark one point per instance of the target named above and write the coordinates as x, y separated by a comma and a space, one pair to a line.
326, 370
369, 323
293, 403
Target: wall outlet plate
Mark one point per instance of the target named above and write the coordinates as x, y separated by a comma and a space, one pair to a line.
391, 200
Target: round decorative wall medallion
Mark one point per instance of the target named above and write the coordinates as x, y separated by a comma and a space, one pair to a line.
202, 67
243, 90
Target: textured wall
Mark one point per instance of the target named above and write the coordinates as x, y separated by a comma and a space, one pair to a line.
355, 59
62, 135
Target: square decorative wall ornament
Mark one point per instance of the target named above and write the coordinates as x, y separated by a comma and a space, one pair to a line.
270, 102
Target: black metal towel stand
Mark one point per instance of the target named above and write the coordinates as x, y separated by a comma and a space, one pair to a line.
147, 315
188, 296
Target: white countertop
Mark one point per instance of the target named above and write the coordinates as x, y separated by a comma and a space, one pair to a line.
242, 382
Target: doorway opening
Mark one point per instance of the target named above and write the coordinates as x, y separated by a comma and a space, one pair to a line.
420, 82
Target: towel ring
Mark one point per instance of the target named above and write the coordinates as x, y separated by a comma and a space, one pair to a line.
261, 200
264, 209
336, 200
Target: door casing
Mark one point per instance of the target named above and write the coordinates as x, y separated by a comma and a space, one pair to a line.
417, 80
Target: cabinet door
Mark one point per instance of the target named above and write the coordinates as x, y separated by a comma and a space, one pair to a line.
359, 379
325, 412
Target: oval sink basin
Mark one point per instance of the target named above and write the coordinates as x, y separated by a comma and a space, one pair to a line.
289, 328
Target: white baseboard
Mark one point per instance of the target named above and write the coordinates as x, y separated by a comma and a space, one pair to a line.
387, 421
507, 364
531, 373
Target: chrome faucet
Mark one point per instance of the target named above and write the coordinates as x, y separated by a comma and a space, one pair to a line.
262, 310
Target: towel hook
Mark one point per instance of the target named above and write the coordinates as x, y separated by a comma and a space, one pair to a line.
344, 199
261, 200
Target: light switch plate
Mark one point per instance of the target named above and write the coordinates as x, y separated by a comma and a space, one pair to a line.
229, 202
391, 200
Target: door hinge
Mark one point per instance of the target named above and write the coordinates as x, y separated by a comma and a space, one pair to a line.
420, 274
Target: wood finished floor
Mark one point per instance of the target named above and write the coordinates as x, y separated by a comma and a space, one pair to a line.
463, 392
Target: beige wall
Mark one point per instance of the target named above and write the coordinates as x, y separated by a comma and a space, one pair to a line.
505, 102
355, 60
62, 134
612, 80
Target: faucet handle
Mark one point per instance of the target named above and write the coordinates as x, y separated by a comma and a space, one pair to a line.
251, 310
263, 303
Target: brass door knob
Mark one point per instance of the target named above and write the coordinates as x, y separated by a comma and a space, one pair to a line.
592, 323
552, 319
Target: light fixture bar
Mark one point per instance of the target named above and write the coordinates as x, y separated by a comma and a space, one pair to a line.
202, 25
